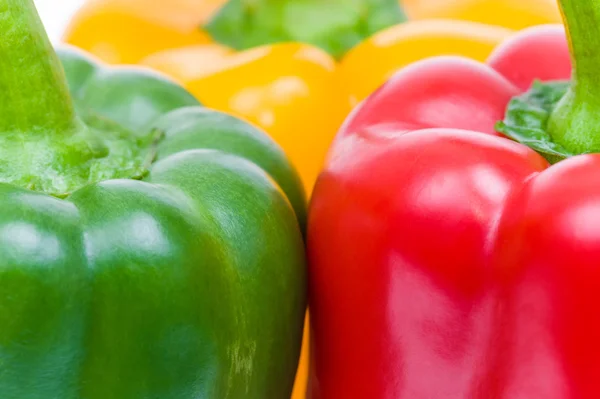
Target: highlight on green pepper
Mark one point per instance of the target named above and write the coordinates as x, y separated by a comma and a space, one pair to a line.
149, 247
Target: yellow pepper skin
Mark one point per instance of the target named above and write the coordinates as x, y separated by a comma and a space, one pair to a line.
291, 90
512, 14
471, 28
404, 44
126, 31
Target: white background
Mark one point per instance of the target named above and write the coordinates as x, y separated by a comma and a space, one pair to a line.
56, 14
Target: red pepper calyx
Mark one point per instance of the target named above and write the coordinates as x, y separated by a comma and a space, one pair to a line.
527, 116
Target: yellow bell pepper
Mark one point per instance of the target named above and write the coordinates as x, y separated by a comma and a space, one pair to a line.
298, 93
126, 31
404, 44
512, 14
291, 90
471, 28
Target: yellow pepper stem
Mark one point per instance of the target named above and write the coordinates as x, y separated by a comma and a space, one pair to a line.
333, 25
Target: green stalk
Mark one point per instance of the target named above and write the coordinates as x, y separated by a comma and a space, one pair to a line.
44, 145
575, 122
333, 25
34, 93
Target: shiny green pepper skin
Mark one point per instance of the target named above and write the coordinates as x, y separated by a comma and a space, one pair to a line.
185, 280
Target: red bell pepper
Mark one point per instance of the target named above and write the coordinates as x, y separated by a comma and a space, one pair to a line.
448, 261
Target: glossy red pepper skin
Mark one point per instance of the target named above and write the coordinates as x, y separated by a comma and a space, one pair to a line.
448, 261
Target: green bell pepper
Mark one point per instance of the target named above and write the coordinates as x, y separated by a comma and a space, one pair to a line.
149, 247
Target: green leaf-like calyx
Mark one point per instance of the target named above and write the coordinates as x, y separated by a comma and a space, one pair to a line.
333, 25
527, 117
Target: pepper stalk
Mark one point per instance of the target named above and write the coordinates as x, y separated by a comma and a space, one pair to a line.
45, 145
35, 96
575, 122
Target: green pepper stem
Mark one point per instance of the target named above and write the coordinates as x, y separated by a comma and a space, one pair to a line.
34, 92
582, 22
575, 122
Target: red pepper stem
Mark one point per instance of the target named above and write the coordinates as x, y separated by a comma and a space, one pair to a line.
34, 93
575, 123
582, 20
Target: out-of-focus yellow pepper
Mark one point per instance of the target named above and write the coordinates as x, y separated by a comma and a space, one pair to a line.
292, 90
126, 31
471, 28
512, 14
377, 58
